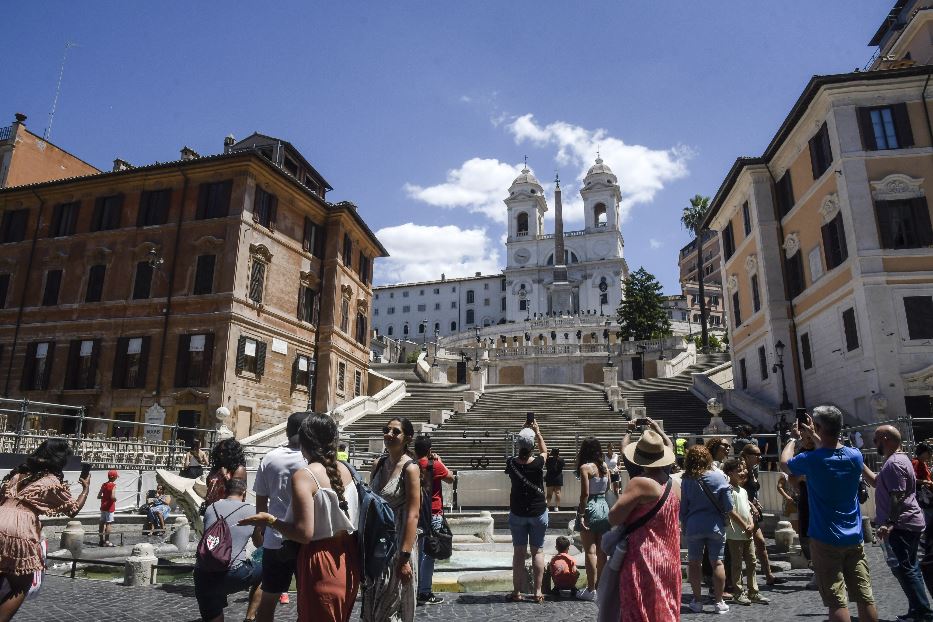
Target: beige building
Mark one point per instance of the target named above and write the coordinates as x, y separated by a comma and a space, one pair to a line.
161, 292
827, 244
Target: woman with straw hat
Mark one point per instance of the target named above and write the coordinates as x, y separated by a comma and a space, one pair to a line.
649, 577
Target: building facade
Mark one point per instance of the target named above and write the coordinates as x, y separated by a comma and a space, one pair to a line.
711, 260
160, 293
827, 246
27, 158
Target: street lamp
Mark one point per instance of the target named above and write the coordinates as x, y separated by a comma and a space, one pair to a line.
437, 333
779, 350
424, 335
476, 333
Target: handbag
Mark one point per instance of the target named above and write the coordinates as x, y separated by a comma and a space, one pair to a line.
615, 545
925, 497
438, 542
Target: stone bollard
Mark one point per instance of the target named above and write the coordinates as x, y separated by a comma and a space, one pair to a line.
137, 570
181, 534
784, 536
73, 538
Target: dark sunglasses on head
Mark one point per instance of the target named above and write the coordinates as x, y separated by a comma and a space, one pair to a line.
392, 431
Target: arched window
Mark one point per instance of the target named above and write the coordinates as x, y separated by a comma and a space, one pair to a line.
569, 258
453, 327
405, 329
599, 215
470, 316
390, 331
437, 327
522, 224
421, 327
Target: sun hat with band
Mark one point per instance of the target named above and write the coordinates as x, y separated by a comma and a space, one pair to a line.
650, 451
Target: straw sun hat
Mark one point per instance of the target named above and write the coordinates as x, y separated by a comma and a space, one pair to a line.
650, 451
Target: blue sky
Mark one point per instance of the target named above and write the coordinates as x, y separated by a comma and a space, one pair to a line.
420, 112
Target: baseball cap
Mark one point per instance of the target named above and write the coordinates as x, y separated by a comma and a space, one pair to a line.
112, 474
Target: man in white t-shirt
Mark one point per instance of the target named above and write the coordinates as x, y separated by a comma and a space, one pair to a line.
273, 488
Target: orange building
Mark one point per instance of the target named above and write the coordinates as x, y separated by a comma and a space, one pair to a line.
26, 158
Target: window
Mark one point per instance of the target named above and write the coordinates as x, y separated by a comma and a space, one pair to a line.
834, 242
437, 290
502, 304
4, 289
204, 275
214, 200
37, 368
405, 329
13, 226
348, 251
357, 383
290, 166
904, 223
850, 329
522, 305
469, 296
815, 259
153, 208
64, 219
131, 363
453, 327
485, 285
453, 304
599, 215
502, 285
126, 429
361, 332
312, 239
885, 127
794, 272
422, 308
95, 283
437, 306
251, 356
746, 219
919, 311
821, 152
390, 331
341, 376
421, 292
265, 208
142, 284
107, 211
521, 223
365, 271
485, 302
714, 301
194, 360
784, 191
81, 372
404, 294
728, 241
763, 362
736, 310
421, 328
53, 283
743, 374
805, 351
345, 315
307, 304
302, 371
375, 311
470, 316
391, 311
756, 296
257, 280
406, 308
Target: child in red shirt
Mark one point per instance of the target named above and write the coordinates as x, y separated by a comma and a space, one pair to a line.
563, 569
108, 505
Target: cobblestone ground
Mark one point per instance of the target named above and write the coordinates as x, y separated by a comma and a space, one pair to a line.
64, 600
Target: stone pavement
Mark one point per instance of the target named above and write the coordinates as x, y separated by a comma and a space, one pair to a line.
64, 600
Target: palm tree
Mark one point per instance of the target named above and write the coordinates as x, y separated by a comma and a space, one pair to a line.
692, 220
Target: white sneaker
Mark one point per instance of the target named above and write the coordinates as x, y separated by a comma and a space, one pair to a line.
721, 607
696, 606
586, 594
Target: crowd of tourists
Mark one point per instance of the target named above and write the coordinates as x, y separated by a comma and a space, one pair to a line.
317, 523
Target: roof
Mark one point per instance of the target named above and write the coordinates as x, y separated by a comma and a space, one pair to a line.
294, 149
442, 281
888, 21
800, 107
243, 153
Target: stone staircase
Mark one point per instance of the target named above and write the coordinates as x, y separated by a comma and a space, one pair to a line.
397, 371
421, 398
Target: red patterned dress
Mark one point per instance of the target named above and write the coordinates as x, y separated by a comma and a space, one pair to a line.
650, 577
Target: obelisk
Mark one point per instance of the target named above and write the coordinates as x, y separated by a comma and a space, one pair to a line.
561, 291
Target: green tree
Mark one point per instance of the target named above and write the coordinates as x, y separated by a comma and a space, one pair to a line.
692, 220
642, 314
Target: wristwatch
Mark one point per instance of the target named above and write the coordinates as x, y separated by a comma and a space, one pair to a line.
404, 556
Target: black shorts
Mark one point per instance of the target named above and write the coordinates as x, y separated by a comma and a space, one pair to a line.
614, 477
277, 574
212, 588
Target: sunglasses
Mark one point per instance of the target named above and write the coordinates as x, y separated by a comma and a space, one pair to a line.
392, 431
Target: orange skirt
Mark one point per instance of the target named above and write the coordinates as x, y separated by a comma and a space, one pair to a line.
328, 579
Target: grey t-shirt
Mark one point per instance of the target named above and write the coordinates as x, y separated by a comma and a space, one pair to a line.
274, 480
239, 536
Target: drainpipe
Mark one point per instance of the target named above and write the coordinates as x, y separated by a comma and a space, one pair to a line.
22, 298
317, 327
926, 109
171, 285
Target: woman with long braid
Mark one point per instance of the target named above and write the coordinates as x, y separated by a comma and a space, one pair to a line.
323, 515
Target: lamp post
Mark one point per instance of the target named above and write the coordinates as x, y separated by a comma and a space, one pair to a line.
603, 286
779, 350
436, 335
424, 335
312, 366
476, 334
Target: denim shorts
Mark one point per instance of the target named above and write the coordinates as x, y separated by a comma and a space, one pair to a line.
715, 542
528, 530
106, 517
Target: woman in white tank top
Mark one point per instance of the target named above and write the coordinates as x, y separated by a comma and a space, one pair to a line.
593, 510
323, 516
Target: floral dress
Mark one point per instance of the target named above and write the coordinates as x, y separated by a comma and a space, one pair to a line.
22, 500
390, 600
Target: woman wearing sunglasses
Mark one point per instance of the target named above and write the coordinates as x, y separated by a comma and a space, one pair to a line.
396, 477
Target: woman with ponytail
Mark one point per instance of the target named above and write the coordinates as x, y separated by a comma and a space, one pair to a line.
324, 513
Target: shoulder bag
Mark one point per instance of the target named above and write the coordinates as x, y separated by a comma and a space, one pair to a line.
438, 542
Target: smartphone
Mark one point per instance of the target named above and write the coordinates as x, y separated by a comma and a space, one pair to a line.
802, 417
85, 470
529, 418
641, 422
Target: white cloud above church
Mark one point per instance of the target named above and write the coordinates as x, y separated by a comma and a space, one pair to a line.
423, 253
478, 185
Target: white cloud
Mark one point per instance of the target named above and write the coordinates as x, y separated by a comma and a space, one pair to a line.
642, 171
479, 185
653, 243
423, 253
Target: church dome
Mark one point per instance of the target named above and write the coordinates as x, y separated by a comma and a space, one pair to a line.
526, 177
600, 168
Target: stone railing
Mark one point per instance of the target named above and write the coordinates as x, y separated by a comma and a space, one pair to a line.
668, 368
422, 368
573, 321
567, 234
717, 382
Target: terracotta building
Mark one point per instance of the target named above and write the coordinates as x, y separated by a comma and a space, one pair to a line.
27, 158
827, 245
161, 292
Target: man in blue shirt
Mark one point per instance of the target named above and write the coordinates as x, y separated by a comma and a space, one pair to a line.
835, 528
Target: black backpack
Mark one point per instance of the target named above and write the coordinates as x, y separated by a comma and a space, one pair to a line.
438, 543
375, 532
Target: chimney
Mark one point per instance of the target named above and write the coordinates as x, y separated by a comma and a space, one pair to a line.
187, 153
443, 277
18, 121
121, 165
479, 274
20, 118
228, 143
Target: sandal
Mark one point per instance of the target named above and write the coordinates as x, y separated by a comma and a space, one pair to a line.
539, 598
515, 597
776, 581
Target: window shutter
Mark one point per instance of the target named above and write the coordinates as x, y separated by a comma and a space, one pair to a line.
273, 211
71, 370
884, 212
919, 312
225, 190
241, 353
905, 137
921, 217
97, 217
208, 360
29, 368
295, 371
119, 364
163, 200
203, 194
866, 130
805, 348
815, 161
259, 204
301, 302
115, 216
144, 201
256, 277
260, 357
49, 363
829, 250
181, 361
204, 274
318, 241
307, 239
143, 363
851, 330
92, 368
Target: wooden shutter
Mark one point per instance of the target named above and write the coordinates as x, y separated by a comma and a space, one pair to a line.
143, 363
866, 129
203, 194
919, 312
223, 196
743, 373
182, 360
301, 302
259, 204
91, 381
763, 362
163, 202
97, 217
204, 274
4, 289
207, 360
145, 198
815, 159
241, 353
142, 285
905, 136
260, 357
319, 232
71, 370
49, 363
114, 216
256, 277
307, 236
119, 364
883, 211
850, 328
273, 211
805, 350
921, 218
29, 367
95, 283
56, 223
53, 282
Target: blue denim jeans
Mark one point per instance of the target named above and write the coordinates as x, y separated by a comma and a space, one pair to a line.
900, 548
426, 562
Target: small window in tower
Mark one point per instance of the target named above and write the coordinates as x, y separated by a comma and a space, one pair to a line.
522, 222
599, 212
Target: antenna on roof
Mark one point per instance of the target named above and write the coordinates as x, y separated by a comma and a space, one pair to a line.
58, 89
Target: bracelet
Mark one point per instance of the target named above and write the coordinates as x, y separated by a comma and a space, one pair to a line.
404, 556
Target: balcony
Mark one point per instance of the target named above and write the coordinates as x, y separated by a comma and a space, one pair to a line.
6, 132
